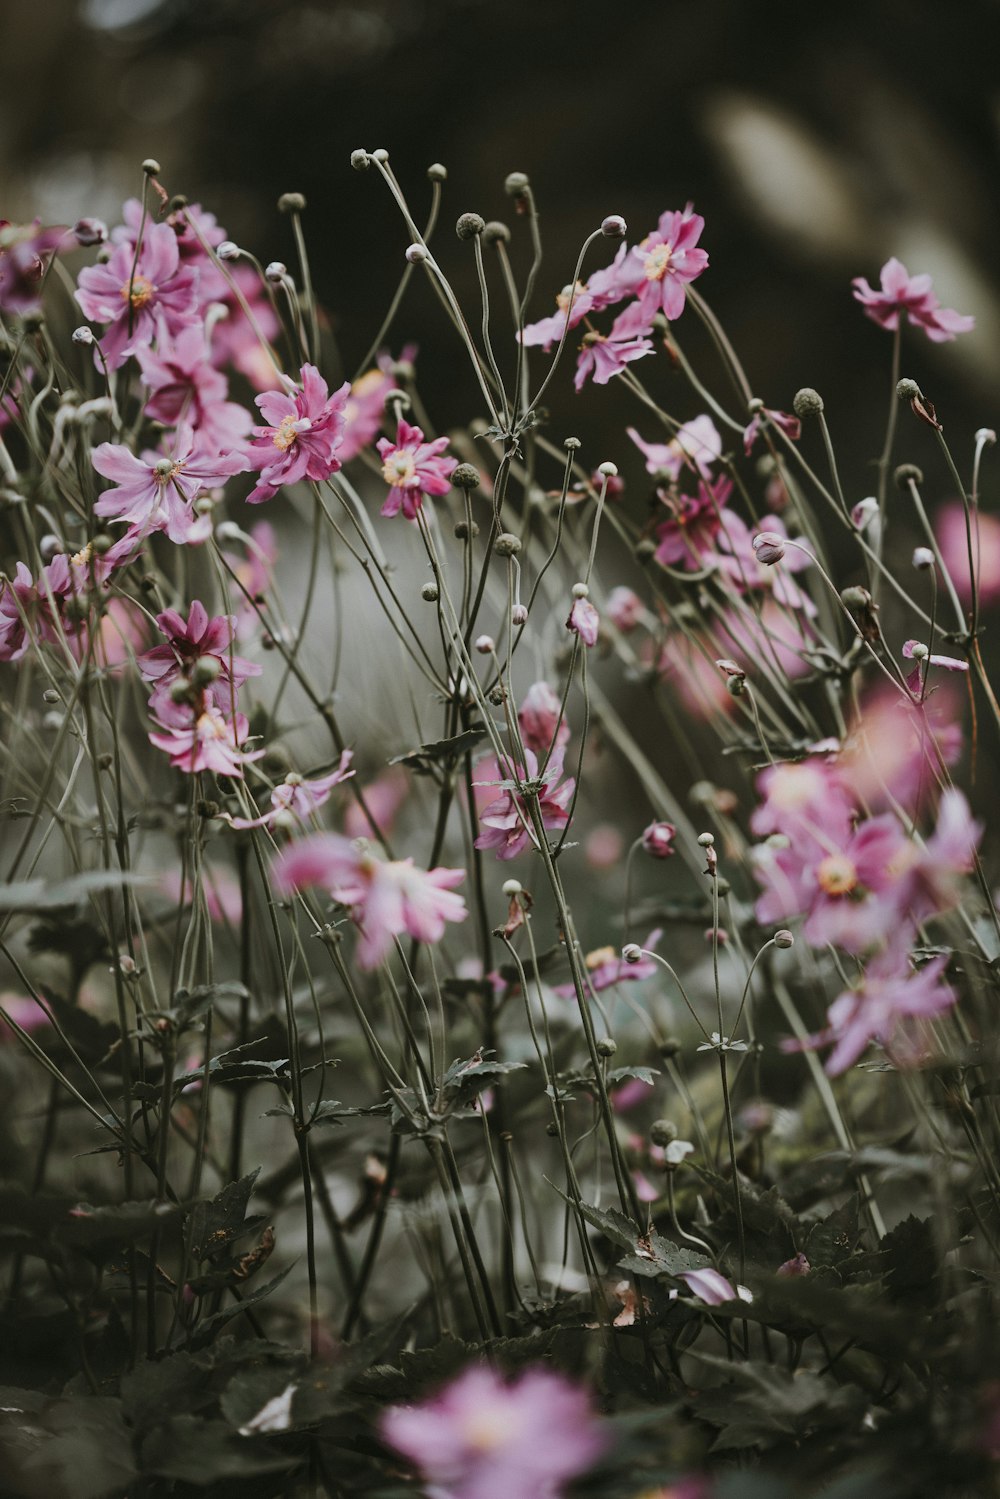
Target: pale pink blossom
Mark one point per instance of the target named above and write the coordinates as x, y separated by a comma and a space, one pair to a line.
301, 439
25, 252
157, 491
584, 621
386, 899
883, 1007
660, 268
711, 1287
604, 355
540, 719
625, 609
949, 527
658, 840
298, 799
697, 446
688, 537
209, 741
790, 425
482, 1437
364, 411
186, 390
900, 292
413, 469
506, 821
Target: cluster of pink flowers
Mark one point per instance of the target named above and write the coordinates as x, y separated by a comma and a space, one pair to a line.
386, 897
506, 821
653, 275
58, 606
865, 884
196, 678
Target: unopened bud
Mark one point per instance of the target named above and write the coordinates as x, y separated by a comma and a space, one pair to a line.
768, 547
516, 184
706, 840
923, 558
496, 233
89, 232
485, 645
360, 161
416, 254
614, 226
607, 1046
631, 953
466, 476
151, 167
519, 615
430, 593
507, 544
663, 1132
228, 250
381, 156
463, 531
856, 597
291, 203
807, 402
50, 695
608, 470
783, 938
437, 173
275, 271
83, 335
470, 226
907, 474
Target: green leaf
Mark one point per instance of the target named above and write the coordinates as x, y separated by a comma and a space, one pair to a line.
214, 1224
76, 1448
188, 1449
443, 752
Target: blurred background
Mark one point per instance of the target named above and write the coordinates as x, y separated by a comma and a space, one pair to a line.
816, 140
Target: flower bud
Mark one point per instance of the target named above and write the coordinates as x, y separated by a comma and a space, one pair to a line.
580, 591
907, 474
463, 530
669, 1048
571, 444
496, 233
507, 544
754, 406
417, 254
706, 840
614, 226
658, 840
608, 470
519, 615
768, 547
83, 335
923, 558
466, 476
151, 167
275, 271
516, 184
50, 695
291, 203
907, 390
856, 597
485, 645
470, 226
228, 250
381, 156
631, 953
807, 402
360, 161
90, 232
429, 593
864, 512
783, 938
437, 173
607, 1046
663, 1132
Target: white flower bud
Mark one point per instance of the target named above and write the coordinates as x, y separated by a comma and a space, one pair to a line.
228, 250
608, 470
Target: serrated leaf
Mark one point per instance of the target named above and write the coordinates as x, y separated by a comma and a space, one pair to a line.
446, 752
215, 1223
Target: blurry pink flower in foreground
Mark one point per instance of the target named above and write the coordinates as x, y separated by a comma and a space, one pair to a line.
584, 621
383, 797
484, 1438
790, 425
949, 527
302, 436
539, 719
386, 899
912, 295
221, 888
712, 1288
606, 967
364, 410
413, 468
24, 1011
658, 839
696, 446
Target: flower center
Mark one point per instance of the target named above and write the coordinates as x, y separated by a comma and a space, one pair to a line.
138, 292
837, 875
657, 263
400, 469
488, 1429
212, 726
82, 559
286, 435
165, 472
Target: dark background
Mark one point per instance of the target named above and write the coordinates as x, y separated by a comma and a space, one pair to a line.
815, 139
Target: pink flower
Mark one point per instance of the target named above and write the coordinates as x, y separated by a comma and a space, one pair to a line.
912, 295
949, 526
157, 492
25, 250
540, 721
625, 609
602, 290
603, 356
889, 996
209, 741
386, 899
17, 596
506, 821
364, 411
790, 425
658, 840
383, 797
297, 799
606, 967
696, 446
584, 621
302, 439
689, 535
710, 1287
893, 752
413, 469
665, 262
485, 1438
797, 1265
136, 297
184, 388
198, 638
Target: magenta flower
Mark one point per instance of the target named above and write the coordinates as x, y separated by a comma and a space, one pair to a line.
25, 251
136, 297
209, 741
790, 425
386, 899
658, 840
17, 596
297, 800
584, 621
506, 821
688, 537
696, 446
364, 411
198, 638
603, 356
666, 262
606, 967
185, 390
900, 292
157, 492
302, 439
484, 1438
540, 721
625, 609
889, 998
603, 289
413, 469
